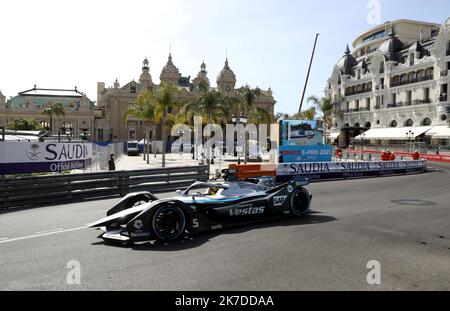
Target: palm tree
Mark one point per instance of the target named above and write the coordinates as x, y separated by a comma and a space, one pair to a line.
248, 96
166, 98
212, 105
144, 109
309, 114
260, 116
328, 108
54, 110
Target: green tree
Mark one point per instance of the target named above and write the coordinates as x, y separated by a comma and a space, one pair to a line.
53, 109
327, 108
166, 98
248, 96
24, 124
211, 105
144, 110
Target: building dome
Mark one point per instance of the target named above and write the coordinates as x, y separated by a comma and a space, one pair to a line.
226, 75
391, 47
145, 78
201, 76
170, 73
347, 63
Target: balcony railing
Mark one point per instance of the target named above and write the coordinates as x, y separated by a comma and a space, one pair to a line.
414, 80
358, 92
444, 73
443, 98
408, 103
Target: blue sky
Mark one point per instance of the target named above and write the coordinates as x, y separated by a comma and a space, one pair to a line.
66, 43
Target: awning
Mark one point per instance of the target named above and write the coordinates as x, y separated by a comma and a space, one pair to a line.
394, 133
442, 132
334, 135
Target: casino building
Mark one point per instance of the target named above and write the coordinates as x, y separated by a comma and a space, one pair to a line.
393, 85
78, 120
113, 101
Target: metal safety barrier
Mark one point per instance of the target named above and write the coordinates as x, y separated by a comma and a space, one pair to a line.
54, 189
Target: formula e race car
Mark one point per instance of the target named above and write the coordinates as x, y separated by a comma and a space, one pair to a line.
202, 207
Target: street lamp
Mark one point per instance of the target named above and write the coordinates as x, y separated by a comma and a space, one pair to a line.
363, 135
242, 119
410, 135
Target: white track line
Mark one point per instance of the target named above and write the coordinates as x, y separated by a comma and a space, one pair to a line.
2, 239
48, 231
37, 235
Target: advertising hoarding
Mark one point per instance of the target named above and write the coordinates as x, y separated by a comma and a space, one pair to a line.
290, 154
301, 133
39, 157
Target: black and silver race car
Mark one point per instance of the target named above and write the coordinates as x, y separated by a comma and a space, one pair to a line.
202, 207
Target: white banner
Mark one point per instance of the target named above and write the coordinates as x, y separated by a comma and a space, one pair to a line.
345, 167
30, 157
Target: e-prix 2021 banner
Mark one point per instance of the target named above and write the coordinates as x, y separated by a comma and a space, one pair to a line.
39, 157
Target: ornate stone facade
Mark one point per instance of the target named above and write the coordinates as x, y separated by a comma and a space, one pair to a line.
397, 76
114, 101
79, 110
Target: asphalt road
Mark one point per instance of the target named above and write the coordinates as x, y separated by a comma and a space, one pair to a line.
402, 222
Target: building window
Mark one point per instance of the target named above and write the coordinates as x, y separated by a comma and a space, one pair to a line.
393, 123
368, 103
357, 125
426, 122
382, 68
426, 94
409, 123
444, 117
408, 97
357, 104
45, 125
368, 125
411, 59
394, 99
378, 122
132, 134
100, 134
133, 89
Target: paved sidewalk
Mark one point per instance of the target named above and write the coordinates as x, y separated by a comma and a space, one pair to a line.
127, 163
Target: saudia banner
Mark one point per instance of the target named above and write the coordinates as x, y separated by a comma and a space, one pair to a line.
32, 157
329, 170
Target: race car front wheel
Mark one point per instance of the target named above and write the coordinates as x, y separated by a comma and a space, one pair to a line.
168, 223
300, 202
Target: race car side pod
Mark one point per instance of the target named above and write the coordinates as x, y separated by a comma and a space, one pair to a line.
254, 170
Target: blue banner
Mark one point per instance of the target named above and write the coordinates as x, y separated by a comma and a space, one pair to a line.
295, 154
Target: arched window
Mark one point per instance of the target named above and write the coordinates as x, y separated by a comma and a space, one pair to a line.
393, 123
357, 125
45, 125
66, 127
426, 122
409, 123
367, 125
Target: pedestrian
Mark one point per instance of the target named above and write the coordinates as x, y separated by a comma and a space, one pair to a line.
415, 156
112, 163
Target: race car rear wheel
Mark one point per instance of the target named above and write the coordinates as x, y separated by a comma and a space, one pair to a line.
168, 223
300, 202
